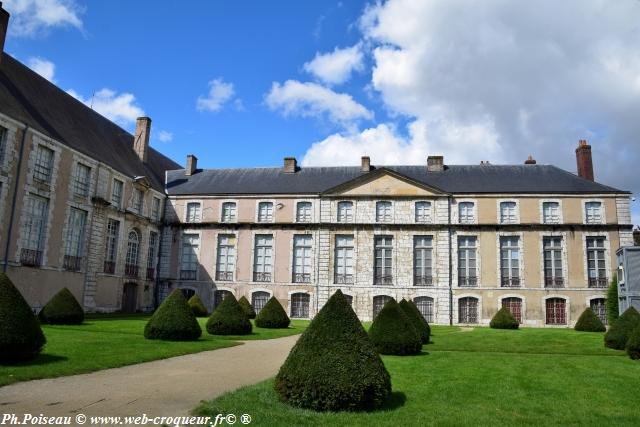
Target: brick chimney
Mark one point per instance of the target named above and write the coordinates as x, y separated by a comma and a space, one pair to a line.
192, 165
435, 163
290, 165
530, 160
141, 138
583, 159
365, 164
4, 24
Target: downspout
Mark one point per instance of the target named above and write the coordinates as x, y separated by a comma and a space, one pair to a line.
450, 261
5, 261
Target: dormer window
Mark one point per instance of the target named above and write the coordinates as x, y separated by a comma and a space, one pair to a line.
194, 212
345, 211
593, 211
466, 214
551, 212
137, 201
508, 212
303, 212
423, 211
228, 212
383, 212
265, 212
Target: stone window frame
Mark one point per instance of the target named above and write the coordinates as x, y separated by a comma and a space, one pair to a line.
290, 267
428, 294
215, 288
603, 211
255, 290
379, 293
10, 141
198, 258
222, 203
456, 308
155, 216
391, 205
455, 205
607, 255
521, 267
86, 235
565, 257
523, 307
332, 259
353, 211
295, 211
454, 257
394, 258
290, 302
431, 214
499, 203
185, 214
274, 257
273, 211
541, 203
593, 297
567, 309
119, 266
432, 267
137, 189
216, 240
122, 197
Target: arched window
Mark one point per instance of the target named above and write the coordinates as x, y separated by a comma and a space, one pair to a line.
425, 306
468, 310
345, 211
378, 302
300, 305
131, 261
187, 293
556, 311
349, 299
598, 307
258, 300
218, 296
514, 305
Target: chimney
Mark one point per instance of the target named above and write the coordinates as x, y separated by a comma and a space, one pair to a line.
366, 164
290, 165
583, 159
435, 163
530, 160
4, 24
141, 138
192, 165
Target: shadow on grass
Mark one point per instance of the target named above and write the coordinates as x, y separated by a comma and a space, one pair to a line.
41, 359
395, 400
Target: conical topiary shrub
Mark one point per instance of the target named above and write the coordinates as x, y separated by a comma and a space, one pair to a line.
197, 306
589, 322
20, 335
272, 315
334, 366
633, 344
247, 308
503, 319
173, 320
62, 309
229, 319
618, 334
419, 323
392, 332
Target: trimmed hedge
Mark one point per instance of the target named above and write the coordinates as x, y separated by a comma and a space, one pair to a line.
589, 322
62, 309
173, 321
20, 335
633, 344
272, 315
229, 319
416, 318
618, 334
392, 332
197, 306
247, 307
503, 319
333, 365
612, 300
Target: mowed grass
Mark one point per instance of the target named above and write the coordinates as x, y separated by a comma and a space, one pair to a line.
480, 377
112, 341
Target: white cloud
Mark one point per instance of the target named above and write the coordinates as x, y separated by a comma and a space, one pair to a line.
43, 67
165, 136
33, 17
336, 67
219, 94
120, 108
294, 98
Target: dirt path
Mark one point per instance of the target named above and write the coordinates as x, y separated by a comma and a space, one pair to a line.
168, 387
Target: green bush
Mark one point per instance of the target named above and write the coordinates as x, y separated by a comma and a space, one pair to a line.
229, 319
612, 301
589, 322
392, 332
633, 344
503, 319
20, 335
197, 306
247, 308
272, 315
334, 366
416, 318
173, 321
618, 334
62, 309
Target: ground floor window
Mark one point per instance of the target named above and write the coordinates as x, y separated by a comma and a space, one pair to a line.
259, 299
514, 305
556, 311
425, 305
349, 299
188, 293
218, 296
598, 307
300, 305
378, 302
468, 310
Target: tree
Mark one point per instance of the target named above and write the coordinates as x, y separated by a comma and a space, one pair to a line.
612, 300
247, 307
589, 322
392, 332
503, 319
415, 316
229, 319
62, 309
197, 306
272, 315
173, 320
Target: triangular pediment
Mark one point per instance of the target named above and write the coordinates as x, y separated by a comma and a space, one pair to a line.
383, 182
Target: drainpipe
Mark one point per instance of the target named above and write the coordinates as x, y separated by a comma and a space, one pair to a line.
450, 261
5, 261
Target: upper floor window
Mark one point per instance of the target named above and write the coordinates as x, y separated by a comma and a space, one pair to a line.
302, 259
229, 212
137, 201
552, 254
303, 212
3, 144
467, 275
345, 211
75, 240
116, 193
33, 231
383, 212
466, 213
593, 211
509, 262
551, 212
383, 251
193, 213
226, 260
423, 211
344, 259
596, 265
265, 212
155, 209
508, 213
81, 180
189, 258
43, 165
263, 258
422, 256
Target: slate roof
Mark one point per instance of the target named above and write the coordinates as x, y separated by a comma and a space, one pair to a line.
31, 99
474, 179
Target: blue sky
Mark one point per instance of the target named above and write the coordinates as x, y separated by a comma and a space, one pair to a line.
246, 83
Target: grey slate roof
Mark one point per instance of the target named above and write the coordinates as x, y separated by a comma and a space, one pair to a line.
316, 180
29, 98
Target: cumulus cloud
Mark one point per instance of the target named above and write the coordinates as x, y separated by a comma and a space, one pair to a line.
336, 67
294, 98
219, 94
33, 17
165, 136
43, 67
120, 108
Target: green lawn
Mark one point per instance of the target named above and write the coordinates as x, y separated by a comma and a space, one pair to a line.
481, 377
108, 342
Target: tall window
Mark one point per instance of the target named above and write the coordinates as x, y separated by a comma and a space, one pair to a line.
466, 213
75, 240
265, 212
514, 305
378, 303
467, 276
193, 212
345, 211
263, 258
300, 305
551, 212
111, 250
226, 260
3, 144
596, 266
219, 296
137, 201
344, 260
81, 180
508, 212
303, 212
33, 230
425, 306
151, 255
556, 311
133, 249
43, 165
383, 212
509, 262
228, 212
302, 259
422, 256
552, 247
423, 211
189, 258
593, 212
116, 193
258, 300
383, 248
468, 310
599, 308
155, 209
